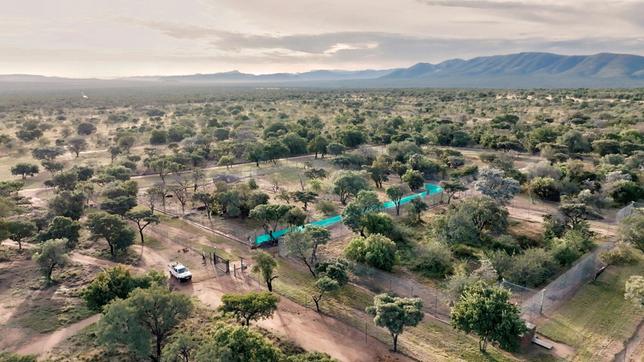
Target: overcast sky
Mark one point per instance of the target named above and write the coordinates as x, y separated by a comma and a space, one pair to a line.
108, 38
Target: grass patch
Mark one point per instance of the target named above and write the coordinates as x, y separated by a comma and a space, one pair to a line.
597, 316
46, 316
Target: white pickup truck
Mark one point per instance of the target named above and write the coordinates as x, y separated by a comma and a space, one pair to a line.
180, 272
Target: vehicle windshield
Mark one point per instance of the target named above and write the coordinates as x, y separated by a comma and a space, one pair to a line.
180, 269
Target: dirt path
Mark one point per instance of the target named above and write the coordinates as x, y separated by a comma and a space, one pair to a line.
41, 345
304, 326
633, 347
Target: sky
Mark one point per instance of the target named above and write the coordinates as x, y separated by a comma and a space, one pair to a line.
116, 38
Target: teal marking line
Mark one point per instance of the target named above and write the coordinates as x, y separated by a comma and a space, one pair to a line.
430, 189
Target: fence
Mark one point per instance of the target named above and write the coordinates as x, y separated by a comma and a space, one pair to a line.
535, 304
435, 302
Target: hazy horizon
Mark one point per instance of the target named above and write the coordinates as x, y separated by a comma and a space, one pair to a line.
121, 38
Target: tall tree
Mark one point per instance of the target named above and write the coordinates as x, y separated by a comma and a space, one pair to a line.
396, 313
251, 306
51, 254
142, 218
265, 266
487, 311
303, 245
270, 216
349, 184
451, 188
143, 322
113, 229
395, 194
76, 145
493, 183
305, 197
61, 227
23, 169
231, 343
19, 230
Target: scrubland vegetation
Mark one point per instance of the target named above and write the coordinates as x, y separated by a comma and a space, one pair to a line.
98, 195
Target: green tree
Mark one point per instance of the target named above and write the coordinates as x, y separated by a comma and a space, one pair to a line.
47, 153
61, 227
487, 311
68, 203
248, 307
318, 145
305, 197
631, 230
354, 215
415, 209
19, 230
303, 245
117, 282
270, 216
23, 169
396, 313
265, 266
545, 188
395, 194
332, 275
76, 145
51, 254
182, 347
142, 218
113, 229
451, 188
414, 179
230, 343
143, 322
226, 160
493, 183
379, 171
323, 285
375, 250
349, 184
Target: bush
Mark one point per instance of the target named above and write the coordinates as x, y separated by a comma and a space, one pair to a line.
545, 188
434, 260
625, 191
375, 250
464, 251
326, 207
621, 254
506, 243
572, 245
531, 269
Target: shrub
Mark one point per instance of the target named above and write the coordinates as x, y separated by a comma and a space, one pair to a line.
434, 260
621, 254
531, 268
375, 250
326, 207
545, 188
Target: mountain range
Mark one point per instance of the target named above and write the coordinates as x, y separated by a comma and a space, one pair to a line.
521, 70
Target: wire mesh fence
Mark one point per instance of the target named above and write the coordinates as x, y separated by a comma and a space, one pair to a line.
435, 302
539, 303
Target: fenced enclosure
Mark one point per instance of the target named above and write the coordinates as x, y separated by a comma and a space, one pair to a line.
539, 303
216, 261
435, 302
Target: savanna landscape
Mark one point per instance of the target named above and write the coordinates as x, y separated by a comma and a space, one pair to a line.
322, 181
99, 197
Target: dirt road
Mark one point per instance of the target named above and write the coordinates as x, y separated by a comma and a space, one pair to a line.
41, 345
302, 325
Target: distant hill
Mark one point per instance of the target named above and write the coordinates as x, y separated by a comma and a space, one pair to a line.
529, 69
522, 70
